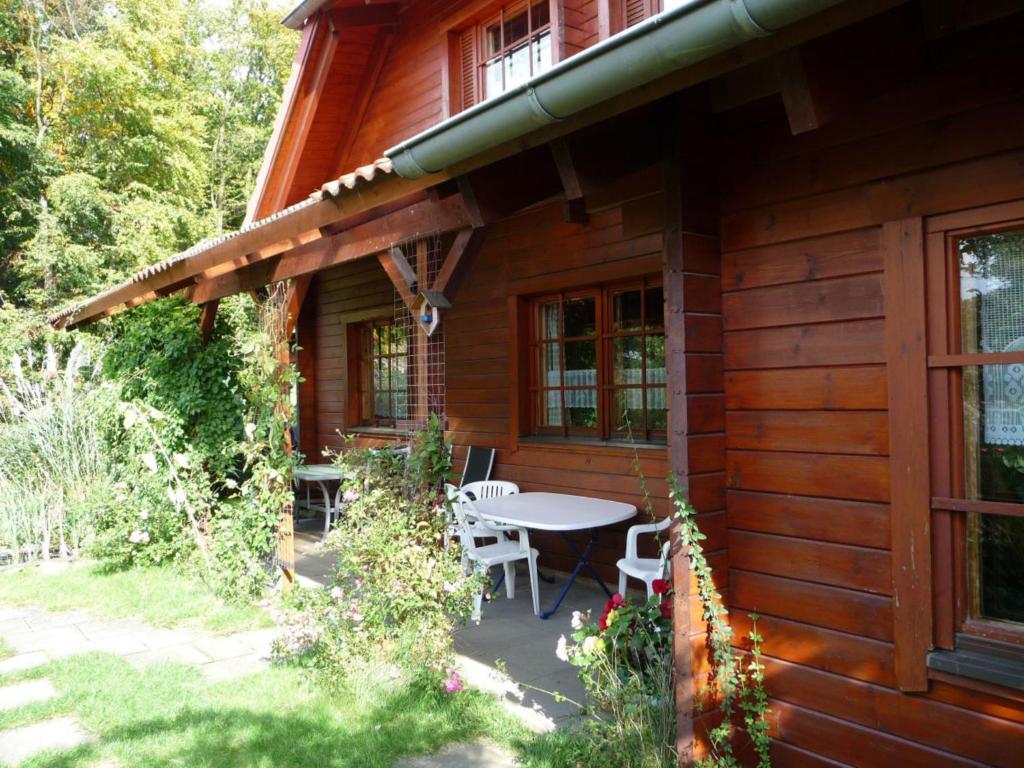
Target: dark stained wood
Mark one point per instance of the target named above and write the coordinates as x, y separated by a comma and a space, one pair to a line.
861, 432
368, 88
207, 319
803, 105
456, 261
853, 388
844, 298
812, 518
848, 343
864, 478
376, 15
986, 358
575, 206
979, 506
903, 247
402, 276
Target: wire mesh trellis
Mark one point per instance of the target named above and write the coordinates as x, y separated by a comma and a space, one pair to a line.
425, 361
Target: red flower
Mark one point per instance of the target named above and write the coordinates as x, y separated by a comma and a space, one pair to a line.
602, 623
666, 609
617, 601
660, 586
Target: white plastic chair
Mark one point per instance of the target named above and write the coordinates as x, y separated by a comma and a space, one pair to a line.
647, 569
506, 552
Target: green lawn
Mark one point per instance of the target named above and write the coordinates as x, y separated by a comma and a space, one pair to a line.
159, 596
167, 715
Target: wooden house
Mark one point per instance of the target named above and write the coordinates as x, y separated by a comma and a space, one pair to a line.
778, 245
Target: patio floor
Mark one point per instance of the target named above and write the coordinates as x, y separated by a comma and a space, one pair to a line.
508, 632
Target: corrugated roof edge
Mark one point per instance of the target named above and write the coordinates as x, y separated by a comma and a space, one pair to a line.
346, 182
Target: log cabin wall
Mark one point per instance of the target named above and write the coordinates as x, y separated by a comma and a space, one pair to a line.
806, 423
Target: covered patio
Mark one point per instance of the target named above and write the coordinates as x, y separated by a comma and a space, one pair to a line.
510, 653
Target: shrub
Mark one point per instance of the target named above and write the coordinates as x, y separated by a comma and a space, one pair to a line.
399, 594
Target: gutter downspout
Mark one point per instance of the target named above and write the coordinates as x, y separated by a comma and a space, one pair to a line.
697, 30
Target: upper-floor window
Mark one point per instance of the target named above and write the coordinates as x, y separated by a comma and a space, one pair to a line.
598, 363
504, 49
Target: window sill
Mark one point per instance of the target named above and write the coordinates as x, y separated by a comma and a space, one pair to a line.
578, 444
376, 432
988, 661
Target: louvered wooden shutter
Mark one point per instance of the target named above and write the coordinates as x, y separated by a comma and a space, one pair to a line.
636, 11
467, 66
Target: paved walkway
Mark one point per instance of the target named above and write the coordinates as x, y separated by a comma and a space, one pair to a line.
39, 636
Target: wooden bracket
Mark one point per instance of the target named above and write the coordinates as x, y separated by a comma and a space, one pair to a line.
401, 273
456, 262
207, 319
476, 215
802, 101
575, 207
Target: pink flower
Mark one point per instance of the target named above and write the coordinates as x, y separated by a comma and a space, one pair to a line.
350, 495
453, 683
337, 593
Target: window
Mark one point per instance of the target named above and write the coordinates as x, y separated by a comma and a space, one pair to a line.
977, 407
381, 395
502, 51
598, 363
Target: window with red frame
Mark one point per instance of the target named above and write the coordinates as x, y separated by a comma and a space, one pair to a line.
597, 365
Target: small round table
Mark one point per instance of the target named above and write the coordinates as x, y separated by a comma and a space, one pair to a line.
322, 474
561, 513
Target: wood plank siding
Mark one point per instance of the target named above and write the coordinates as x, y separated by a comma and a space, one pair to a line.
785, 296
807, 427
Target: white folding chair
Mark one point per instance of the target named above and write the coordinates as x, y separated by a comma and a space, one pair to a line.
506, 552
647, 569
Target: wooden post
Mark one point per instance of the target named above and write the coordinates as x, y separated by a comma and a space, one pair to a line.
282, 341
675, 339
422, 342
906, 364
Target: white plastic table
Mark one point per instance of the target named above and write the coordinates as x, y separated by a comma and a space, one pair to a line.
322, 474
561, 513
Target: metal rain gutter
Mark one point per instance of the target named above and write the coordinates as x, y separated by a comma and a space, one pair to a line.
669, 41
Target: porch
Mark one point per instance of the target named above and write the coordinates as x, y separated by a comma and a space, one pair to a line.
508, 635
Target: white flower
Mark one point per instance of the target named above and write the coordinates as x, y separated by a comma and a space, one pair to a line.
577, 619
181, 460
560, 649
592, 644
150, 461
139, 537
144, 514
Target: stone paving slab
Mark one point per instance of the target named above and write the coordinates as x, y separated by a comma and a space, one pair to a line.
23, 661
19, 744
29, 692
39, 636
478, 754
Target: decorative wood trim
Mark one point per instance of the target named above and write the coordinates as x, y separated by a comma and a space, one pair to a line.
207, 320
905, 345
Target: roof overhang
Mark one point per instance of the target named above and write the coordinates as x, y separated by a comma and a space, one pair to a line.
500, 128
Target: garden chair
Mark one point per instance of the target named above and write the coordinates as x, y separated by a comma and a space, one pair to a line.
506, 552
478, 466
647, 569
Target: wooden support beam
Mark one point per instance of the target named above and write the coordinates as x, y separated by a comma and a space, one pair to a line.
575, 209
376, 15
402, 275
350, 244
803, 104
456, 262
297, 295
207, 319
